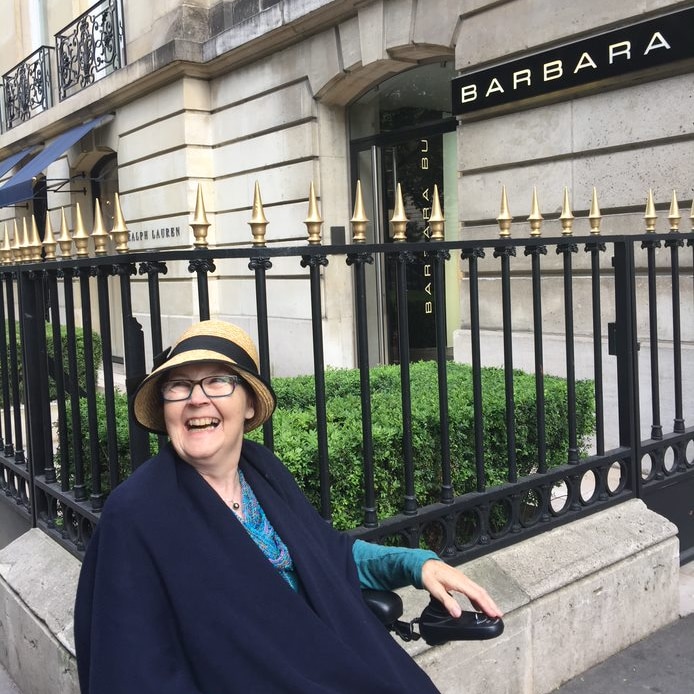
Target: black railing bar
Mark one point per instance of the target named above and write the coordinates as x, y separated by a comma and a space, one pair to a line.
135, 369
669, 439
59, 378
68, 499
675, 243
79, 489
43, 438
259, 265
202, 267
94, 10
15, 467
107, 368
475, 500
504, 253
535, 252
96, 496
315, 263
403, 258
358, 261
5, 385
656, 427
439, 259
567, 249
249, 253
595, 249
14, 374
39, 50
153, 269
472, 257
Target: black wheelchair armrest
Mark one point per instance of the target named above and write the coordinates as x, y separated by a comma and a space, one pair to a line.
385, 604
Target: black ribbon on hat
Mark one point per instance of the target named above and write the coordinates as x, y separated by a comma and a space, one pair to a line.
210, 343
160, 358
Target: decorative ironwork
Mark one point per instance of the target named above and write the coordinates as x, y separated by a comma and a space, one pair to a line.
90, 48
65, 499
27, 88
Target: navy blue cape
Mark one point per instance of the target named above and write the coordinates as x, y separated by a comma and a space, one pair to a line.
175, 597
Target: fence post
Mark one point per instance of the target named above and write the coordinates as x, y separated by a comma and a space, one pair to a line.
625, 348
35, 380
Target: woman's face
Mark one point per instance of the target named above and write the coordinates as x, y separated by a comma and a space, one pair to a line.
207, 432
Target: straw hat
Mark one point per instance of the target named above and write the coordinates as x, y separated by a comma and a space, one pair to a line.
208, 341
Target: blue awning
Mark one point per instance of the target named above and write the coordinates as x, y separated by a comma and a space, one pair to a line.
21, 186
12, 161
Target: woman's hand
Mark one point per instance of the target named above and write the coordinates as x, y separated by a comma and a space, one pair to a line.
440, 579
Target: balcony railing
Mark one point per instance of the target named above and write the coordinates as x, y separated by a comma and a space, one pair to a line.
90, 48
27, 88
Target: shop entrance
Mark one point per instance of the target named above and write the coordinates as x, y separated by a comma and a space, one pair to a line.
402, 133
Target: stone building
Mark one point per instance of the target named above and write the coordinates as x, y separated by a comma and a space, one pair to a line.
152, 99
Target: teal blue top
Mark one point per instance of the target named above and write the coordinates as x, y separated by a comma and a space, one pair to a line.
378, 567
387, 568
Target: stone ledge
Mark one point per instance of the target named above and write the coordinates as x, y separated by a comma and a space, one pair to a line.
576, 585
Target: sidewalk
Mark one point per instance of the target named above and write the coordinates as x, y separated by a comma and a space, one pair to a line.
663, 663
7, 686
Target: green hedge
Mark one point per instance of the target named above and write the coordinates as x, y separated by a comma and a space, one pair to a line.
294, 425
79, 344
296, 443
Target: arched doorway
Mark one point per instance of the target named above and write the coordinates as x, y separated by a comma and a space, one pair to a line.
402, 131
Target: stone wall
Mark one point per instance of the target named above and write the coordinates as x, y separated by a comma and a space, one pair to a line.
567, 594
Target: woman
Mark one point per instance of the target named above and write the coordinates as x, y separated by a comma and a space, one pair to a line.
209, 572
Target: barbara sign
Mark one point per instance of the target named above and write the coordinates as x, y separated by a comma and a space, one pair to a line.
637, 47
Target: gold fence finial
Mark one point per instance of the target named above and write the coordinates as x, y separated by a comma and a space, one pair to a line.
34, 245
200, 223
436, 219
399, 219
16, 244
674, 215
359, 219
594, 215
99, 235
64, 239
535, 218
313, 222
119, 232
505, 218
258, 221
25, 250
6, 251
79, 235
49, 242
650, 215
566, 217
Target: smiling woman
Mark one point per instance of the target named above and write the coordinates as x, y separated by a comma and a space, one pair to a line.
209, 558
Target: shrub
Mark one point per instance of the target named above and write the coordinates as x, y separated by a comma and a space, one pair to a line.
122, 439
79, 345
294, 427
295, 439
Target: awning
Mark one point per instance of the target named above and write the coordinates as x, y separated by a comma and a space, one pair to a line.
12, 161
21, 186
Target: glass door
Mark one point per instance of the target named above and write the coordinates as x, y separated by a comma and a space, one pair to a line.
403, 133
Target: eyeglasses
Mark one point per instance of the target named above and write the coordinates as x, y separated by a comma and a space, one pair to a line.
213, 387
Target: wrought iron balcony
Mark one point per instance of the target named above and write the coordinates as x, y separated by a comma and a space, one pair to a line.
90, 48
27, 88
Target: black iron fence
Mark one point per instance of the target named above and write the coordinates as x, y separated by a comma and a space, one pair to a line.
623, 332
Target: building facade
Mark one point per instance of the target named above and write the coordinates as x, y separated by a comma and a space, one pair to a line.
153, 99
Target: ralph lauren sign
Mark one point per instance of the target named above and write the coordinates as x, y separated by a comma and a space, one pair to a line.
640, 46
